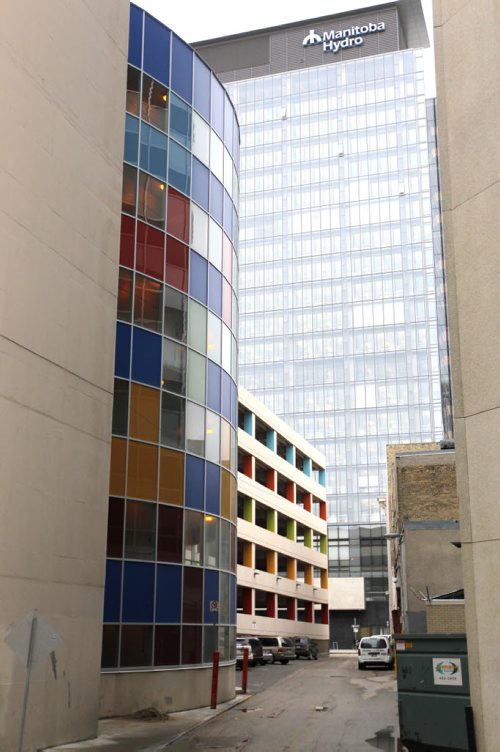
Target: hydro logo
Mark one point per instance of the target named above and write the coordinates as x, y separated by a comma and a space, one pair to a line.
335, 40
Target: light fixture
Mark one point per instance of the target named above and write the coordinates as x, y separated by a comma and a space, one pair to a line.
210, 430
162, 186
209, 518
164, 97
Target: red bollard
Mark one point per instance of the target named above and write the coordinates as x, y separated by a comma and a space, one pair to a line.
244, 672
215, 679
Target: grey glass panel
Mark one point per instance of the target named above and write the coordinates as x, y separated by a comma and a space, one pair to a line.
193, 537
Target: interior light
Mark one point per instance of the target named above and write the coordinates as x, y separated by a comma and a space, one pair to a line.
162, 186
210, 430
210, 346
164, 97
209, 518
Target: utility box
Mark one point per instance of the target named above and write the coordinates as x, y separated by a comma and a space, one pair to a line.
433, 691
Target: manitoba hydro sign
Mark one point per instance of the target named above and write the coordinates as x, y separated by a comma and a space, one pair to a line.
334, 41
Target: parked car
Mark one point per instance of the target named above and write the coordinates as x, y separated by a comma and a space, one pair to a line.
376, 651
255, 652
282, 648
305, 648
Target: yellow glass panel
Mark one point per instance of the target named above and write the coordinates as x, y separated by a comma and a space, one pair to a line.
117, 468
142, 481
225, 494
171, 477
144, 413
233, 502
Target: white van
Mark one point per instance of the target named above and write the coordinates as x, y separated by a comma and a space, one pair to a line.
375, 650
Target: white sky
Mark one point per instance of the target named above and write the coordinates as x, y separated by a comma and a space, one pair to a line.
195, 20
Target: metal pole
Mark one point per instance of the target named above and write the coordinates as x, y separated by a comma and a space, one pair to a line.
244, 672
215, 679
29, 665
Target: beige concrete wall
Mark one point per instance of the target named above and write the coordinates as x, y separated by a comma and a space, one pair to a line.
63, 80
446, 618
467, 38
168, 690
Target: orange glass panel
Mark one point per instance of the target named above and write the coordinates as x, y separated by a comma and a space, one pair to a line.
225, 494
324, 579
142, 481
171, 477
271, 562
308, 574
144, 413
117, 469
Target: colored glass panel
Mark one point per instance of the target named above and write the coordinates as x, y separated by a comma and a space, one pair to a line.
136, 645
151, 200
201, 182
202, 79
127, 237
191, 644
142, 471
178, 215
140, 530
196, 377
198, 275
212, 488
150, 251
225, 495
168, 593
172, 420
174, 367
214, 386
138, 591
146, 357
175, 314
153, 154
197, 328
195, 428
195, 482
112, 591
192, 594
176, 264
156, 58
131, 145
170, 534
129, 189
182, 69
179, 167
116, 515
117, 468
144, 413
133, 90
171, 488
180, 121
120, 408
124, 303
110, 642
154, 102
167, 645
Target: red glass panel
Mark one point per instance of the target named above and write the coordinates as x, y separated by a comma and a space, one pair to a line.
176, 264
127, 242
115, 528
149, 257
167, 645
178, 215
170, 534
191, 644
192, 595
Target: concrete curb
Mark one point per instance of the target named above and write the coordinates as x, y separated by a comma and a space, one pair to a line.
239, 698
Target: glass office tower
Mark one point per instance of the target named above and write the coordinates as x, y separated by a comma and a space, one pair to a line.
338, 232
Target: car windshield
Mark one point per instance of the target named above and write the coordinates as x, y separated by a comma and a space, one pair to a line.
287, 642
373, 642
268, 640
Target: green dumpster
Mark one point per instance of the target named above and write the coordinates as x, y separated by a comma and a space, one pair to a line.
433, 691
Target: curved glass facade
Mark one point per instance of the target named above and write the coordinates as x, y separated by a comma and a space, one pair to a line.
170, 596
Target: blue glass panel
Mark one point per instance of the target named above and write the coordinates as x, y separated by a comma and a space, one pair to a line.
182, 69
200, 183
112, 591
153, 157
194, 493
168, 593
228, 214
138, 592
212, 503
202, 77
198, 277
211, 593
226, 396
179, 167
216, 198
156, 50
232, 599
213, 390
180, 121
214, 290
217, 111
122, 350
135, 36
228, 125
146, 357
131, 139
234, 404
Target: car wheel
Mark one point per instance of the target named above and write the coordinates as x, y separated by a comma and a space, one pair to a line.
315, 657
285, 661
262, 662
309, 657
274, 659
252, 663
